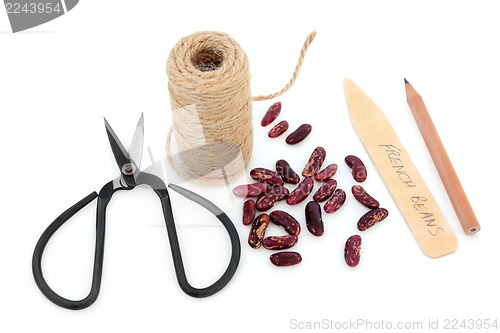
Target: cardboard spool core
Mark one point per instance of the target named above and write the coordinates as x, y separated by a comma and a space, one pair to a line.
208, 60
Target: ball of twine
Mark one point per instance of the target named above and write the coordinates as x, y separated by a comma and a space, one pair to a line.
211, 102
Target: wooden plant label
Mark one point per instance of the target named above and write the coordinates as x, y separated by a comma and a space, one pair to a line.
414, 200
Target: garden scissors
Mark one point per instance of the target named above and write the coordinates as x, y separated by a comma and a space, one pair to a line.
130, 177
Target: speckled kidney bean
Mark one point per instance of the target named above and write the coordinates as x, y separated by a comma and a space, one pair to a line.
336, 201
258, 231
280, 242
248, 212
266, 176
286, 172
315, 161
352, 251
357, 167
314, 221
278, 129
271, 114
285, 220
301, 191
325, 191
250, 190
373, 216
270, 197
299, 134
363, 197
326, 173
286, 258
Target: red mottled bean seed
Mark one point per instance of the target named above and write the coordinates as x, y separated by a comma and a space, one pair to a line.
280, 242
250, 190
248, 212
336, 201
285, 220
286, 172
352, 251
271, 114
258, 231
286, 258
313, 218
299, 134
301, 191
326, 173
373, 216
363, 197
270, 197
266, 176
315, 161
357, 167
325, 191
278, 129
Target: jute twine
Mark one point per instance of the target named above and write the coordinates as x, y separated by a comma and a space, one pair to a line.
211, 101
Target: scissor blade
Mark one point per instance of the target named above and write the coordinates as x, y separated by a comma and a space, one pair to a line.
135, 149
121, 155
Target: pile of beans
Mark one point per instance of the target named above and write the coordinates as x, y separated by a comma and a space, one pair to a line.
270, 189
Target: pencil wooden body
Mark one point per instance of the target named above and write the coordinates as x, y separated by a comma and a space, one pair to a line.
442, 162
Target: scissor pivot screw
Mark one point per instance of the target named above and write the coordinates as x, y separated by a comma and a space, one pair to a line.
128, 169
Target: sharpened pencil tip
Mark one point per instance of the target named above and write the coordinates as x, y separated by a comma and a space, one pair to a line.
406, 81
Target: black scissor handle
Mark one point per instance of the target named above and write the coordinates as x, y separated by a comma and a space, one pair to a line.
102, 201
159, 187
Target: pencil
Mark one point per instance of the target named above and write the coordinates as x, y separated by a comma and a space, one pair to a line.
442, 162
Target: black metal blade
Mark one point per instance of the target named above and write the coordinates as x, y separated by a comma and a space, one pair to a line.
122, 157
136, 146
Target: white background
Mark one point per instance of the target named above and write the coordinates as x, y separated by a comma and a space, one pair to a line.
107, 58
